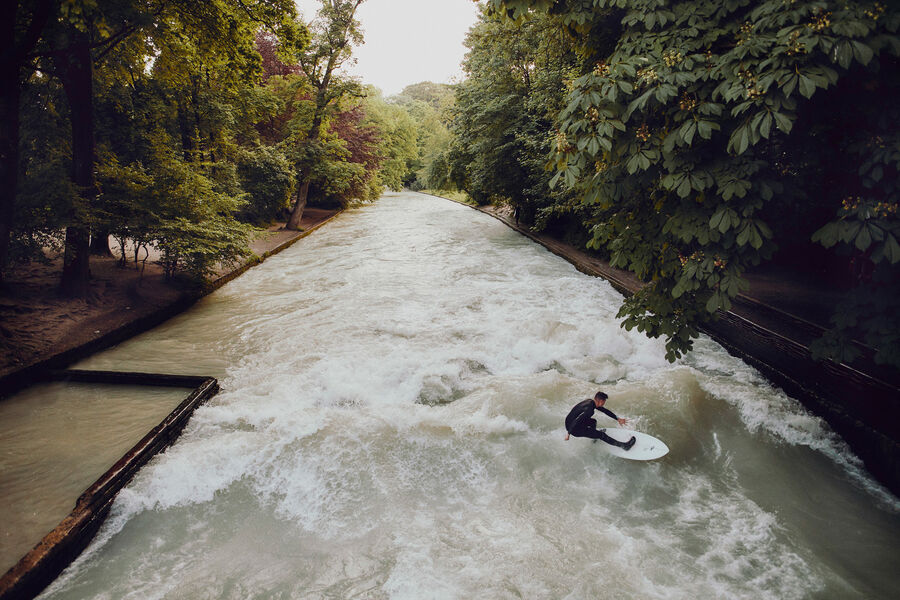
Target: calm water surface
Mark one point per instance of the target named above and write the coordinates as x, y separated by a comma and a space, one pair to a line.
390, 426
42, 476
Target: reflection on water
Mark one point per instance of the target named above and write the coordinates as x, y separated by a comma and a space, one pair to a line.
390, 426
56, 439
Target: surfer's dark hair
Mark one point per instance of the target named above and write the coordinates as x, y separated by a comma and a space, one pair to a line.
601, 395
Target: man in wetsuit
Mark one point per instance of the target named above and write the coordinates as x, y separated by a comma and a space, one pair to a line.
580, 421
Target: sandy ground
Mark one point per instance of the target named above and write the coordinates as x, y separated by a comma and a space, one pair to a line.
36, 322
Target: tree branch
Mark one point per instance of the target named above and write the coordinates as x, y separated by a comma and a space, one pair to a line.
113, 40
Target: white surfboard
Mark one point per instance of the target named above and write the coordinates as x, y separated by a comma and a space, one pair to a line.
646, 447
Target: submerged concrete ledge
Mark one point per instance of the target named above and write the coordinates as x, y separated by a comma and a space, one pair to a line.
37, 569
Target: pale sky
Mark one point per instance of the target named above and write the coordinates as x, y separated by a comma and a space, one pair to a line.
408, 41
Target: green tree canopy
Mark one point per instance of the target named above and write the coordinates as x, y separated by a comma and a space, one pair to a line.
504, 113
428, 105
712, 128
334, 33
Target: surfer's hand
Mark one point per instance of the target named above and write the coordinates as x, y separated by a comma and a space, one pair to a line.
622, 421
567, 437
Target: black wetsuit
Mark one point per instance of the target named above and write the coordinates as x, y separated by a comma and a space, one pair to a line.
580, 422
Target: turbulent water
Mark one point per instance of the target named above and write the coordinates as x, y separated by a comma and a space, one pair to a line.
390, 426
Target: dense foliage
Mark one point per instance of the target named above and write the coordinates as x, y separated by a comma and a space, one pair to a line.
428, 106
711, 136
182, 126
504, 114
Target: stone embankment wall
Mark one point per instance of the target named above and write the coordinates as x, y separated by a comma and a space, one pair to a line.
61, 546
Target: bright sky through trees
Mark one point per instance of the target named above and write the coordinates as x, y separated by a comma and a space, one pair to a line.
408, 41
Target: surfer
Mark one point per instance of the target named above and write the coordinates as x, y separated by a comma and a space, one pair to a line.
580, 421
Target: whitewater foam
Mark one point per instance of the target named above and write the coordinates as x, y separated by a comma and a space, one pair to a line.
390, 426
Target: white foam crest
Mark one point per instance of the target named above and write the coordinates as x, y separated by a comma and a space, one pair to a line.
319, 486
763, 407
192, 472
746, 554
415, 575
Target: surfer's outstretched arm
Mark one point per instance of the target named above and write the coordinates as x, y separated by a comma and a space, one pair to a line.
612, 415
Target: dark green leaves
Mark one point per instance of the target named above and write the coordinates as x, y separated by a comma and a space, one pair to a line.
708, 168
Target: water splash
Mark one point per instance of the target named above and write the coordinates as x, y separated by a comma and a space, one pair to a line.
390, 426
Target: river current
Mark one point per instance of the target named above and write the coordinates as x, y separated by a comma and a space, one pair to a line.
390, 425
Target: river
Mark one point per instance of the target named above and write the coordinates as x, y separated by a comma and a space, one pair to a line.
390, 426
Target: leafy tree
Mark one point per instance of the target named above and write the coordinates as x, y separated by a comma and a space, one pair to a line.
20, 31
44, 188
360, 140
436, 95
436, 174
396, 132
196, 232
129, 220
366, 147
85, 32
268, 178
680, 141
334, 33
504, 113
429, 105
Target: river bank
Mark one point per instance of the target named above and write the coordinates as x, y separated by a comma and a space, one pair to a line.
40, 329
52, 453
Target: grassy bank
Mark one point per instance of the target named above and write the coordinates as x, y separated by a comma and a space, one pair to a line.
455, 195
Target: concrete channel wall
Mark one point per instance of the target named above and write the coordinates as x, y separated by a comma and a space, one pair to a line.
861, 407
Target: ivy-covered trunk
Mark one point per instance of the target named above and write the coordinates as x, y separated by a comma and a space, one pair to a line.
77, 78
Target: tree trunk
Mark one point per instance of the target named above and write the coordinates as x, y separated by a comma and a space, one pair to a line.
11, 60
100, 243
77, 79
9, 153
311, 136
76, 265
297, 212
303, 193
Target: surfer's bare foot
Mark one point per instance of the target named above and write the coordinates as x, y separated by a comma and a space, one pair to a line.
629, 443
